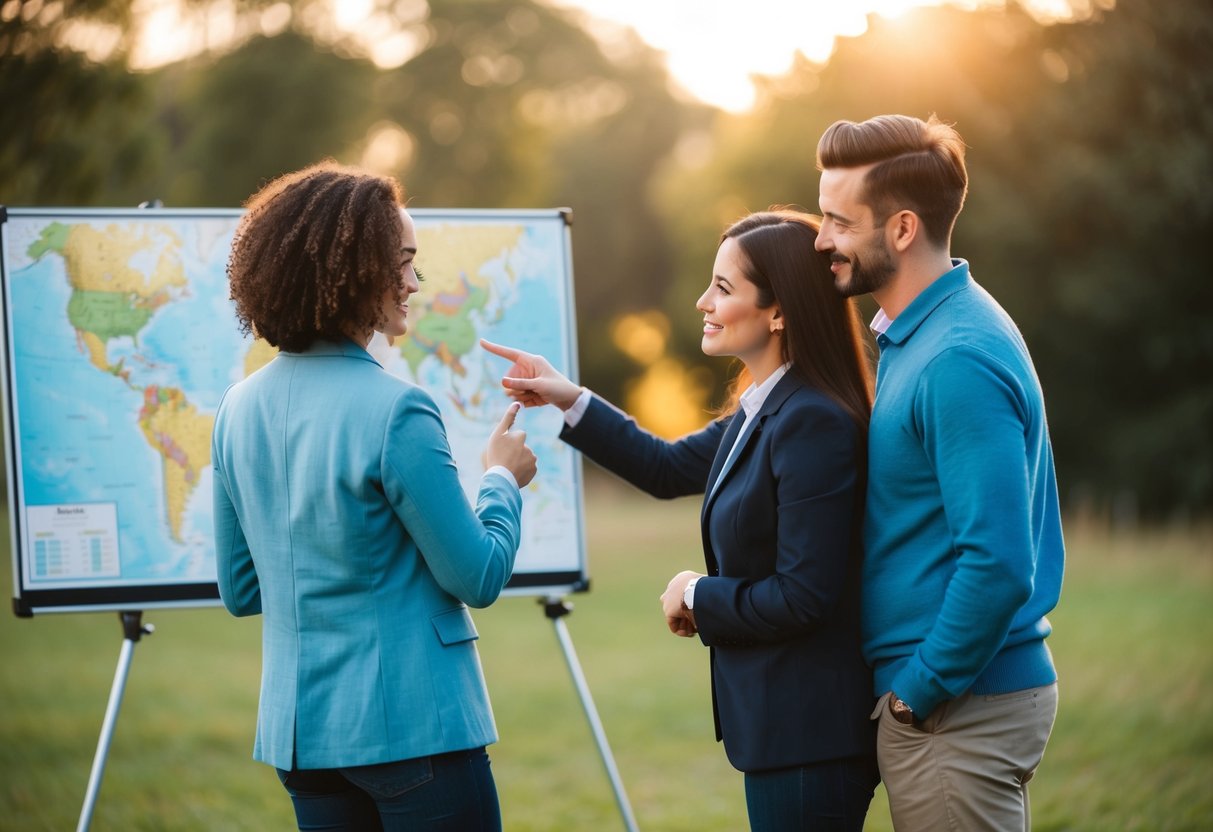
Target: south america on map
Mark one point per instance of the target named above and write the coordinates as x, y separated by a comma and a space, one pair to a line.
122, 340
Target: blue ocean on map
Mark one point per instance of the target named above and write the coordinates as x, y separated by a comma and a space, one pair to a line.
79, 439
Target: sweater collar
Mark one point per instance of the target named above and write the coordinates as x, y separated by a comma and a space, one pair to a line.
906, 324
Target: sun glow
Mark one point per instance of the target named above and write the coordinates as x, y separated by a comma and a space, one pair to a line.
172, 30
713, 47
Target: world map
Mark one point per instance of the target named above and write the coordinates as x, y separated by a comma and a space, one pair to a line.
122, 340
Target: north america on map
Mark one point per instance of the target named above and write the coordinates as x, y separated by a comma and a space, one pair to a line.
123, 339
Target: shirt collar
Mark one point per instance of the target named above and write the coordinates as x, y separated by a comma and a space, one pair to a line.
754, 397
880, 322
949, 283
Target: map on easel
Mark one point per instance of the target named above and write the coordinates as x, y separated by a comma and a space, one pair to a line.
120, 338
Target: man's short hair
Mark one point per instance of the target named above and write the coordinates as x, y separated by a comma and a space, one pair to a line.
918, 166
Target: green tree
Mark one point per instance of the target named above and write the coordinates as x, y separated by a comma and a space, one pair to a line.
74, 132
271, 106
74, 129
1107, 183
504, 104
1090, 146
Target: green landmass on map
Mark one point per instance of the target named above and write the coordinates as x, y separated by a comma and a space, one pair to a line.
445, 329
456, 332
107, 314
412, 352
53, 238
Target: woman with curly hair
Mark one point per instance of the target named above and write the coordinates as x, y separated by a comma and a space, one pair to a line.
340, 518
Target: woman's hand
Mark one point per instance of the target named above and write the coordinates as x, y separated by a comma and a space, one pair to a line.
531, 380
509, 450
678, 617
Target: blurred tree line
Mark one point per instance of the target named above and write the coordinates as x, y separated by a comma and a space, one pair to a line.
1090, 152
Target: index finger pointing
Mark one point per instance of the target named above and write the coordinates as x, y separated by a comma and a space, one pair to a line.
508, 353
507, 421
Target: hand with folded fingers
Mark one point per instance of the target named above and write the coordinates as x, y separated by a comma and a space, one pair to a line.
678, 616
532, 380
508, 449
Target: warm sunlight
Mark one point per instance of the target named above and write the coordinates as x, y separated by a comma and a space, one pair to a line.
714, 47
171, 30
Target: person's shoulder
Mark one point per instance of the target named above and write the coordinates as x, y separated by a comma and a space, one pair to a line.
804, 395
972, 328
373, 391
251, 385
408, 396
810, 428
973, 310
809, 407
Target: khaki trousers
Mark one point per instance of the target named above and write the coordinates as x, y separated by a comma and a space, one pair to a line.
967, 766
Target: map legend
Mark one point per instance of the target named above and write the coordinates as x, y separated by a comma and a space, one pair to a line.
73, 541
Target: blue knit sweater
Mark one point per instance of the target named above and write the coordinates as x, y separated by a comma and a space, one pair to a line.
963, 544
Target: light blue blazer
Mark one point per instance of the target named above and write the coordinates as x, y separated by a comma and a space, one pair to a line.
339, 516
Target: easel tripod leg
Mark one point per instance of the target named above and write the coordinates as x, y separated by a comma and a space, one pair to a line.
556, 609
133, 629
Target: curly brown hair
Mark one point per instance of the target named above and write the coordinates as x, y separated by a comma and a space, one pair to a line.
313, 254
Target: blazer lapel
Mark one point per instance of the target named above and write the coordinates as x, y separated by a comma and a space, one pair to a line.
721, 470
730, 458
722, 451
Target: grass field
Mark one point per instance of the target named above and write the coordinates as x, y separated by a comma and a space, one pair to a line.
1132, 750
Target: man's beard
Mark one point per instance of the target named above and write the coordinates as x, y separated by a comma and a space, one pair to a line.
866, 277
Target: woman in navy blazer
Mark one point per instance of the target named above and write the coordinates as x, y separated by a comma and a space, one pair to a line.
782, 472
340, 518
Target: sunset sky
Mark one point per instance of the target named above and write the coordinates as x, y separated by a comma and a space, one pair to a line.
712, 46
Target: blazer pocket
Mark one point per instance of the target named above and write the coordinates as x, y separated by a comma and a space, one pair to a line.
455, 626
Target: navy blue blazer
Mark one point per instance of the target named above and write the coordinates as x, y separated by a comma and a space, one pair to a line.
781, 540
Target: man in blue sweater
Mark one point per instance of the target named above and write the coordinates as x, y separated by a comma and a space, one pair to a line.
962, 536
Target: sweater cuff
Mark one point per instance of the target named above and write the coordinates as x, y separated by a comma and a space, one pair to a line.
919, 688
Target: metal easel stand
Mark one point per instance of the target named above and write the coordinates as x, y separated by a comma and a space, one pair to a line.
133, 629
556, 609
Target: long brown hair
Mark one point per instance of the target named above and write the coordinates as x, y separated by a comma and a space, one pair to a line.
822, 333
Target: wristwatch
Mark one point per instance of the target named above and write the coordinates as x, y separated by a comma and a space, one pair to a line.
901, 712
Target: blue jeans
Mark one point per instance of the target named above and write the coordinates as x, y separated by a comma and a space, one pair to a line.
452, 792
832, 795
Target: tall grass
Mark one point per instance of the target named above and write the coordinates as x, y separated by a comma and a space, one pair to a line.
1132, 749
